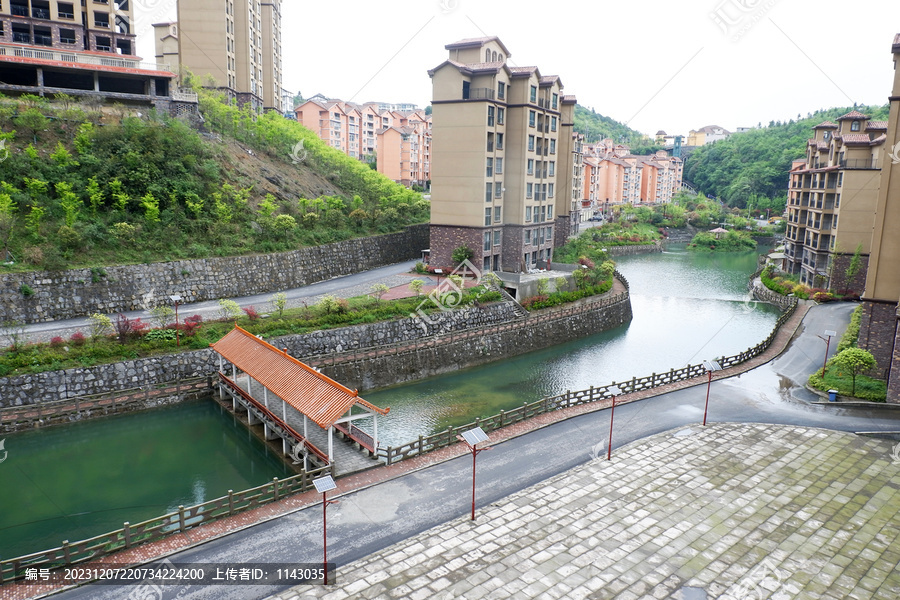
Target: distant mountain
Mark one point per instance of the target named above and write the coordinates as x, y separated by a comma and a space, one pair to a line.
756, 163
596, 127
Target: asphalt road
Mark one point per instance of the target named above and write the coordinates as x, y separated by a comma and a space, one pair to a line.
371, 519
210, 308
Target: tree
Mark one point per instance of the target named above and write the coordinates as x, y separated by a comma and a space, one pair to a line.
33, 120
854, 361
855, 264
462, 254
379, 290
416, 286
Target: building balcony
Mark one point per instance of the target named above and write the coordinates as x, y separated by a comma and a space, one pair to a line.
76, 59
859, 163
478, 94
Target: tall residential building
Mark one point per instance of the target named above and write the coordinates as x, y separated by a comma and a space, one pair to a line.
235, 42
879, 331
619, 177
831, 199
496, 155
84, 48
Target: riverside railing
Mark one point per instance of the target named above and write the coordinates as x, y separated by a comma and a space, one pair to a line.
183, 519
69, 409
393, 454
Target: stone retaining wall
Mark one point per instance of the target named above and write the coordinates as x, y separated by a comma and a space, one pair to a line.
536, 332
54, 386
629, 250
80, 292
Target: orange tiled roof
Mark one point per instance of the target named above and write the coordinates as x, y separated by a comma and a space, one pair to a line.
855, 138
877, 125
826, 125
853, 114
318, 397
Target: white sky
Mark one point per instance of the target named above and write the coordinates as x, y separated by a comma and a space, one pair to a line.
653, 64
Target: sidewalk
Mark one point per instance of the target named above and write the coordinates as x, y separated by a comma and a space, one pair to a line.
727, 511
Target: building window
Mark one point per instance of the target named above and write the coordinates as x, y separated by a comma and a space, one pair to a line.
552, 146
500, 112
552, 169
487, 240
101, 19
490, 119
543, 213
65, 11
498, 164
489, 171
531, 118
840, 182
533, 96
528, 212
67, 36
527, 236
531, 143
552, 123
500, 141
501, 90
496, 238
498, 189
488, 191
549, 234
555, 101
854, 126
496, 216
530, 167
490, 142
550, 211
550, 191
529, 191
487, 217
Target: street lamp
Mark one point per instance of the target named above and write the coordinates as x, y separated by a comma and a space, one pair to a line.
827, 339
710, 366
323, 486
615, 391
472, 438
176, 299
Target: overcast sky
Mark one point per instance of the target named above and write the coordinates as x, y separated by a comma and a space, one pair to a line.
653, 64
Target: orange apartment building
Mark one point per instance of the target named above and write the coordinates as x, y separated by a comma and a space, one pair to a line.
400, 141
615, 176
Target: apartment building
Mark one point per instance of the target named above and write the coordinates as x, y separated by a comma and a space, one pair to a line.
79, 47
497, 157
569, 214
404, 149
879, 332
235, 42
831, 199
618, 177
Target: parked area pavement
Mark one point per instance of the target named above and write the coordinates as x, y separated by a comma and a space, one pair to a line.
729, 510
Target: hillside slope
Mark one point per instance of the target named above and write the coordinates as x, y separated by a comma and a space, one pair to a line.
85, 187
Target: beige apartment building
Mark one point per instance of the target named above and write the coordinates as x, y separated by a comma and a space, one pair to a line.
879, 332
497, 159
235, 42
831, 200
79, 47
404, 149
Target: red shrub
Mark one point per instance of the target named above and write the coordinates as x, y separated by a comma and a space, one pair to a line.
191, 325
56, 342
77, 338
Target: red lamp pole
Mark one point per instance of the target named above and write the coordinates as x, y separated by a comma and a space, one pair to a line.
706, 408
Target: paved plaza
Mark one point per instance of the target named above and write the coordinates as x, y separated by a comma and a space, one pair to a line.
731, 511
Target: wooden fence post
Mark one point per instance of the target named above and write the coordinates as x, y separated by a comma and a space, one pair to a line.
390, 454
126, 533
181, 519
230, 502
67, 555
275, 489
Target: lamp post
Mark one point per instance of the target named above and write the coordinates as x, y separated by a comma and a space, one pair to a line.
176, 299
615, 391
472, 438
323, 486
710, 366
827, 339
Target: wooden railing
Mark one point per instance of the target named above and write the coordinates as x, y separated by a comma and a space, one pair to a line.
393, 454
358, 435
184, 518
18, 417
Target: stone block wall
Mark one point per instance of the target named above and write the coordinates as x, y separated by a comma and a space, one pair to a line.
839, 279
80, 292
877, 332
534, 333
70, 383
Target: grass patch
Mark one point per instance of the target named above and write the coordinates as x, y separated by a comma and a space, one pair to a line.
867, 388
